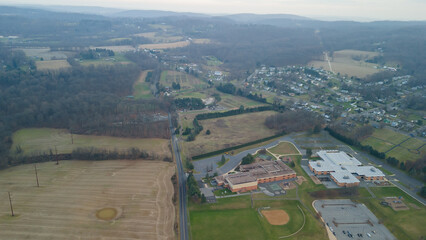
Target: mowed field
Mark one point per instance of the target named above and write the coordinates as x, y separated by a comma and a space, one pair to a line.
39, 140
186, 81
233, 218
397, 145
342, 62
230, 131
142, 89
52, 65
71, 193
284, 148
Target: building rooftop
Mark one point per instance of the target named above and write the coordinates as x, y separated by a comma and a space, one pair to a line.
240, 178
344, 177
338, 158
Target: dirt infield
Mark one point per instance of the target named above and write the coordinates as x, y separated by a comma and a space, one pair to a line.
276, 217
120, 199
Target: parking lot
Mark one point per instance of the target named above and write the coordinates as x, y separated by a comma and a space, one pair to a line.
349, 220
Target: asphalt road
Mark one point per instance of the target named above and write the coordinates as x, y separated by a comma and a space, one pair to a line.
183, 212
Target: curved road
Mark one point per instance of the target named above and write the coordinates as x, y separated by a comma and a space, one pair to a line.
183, 212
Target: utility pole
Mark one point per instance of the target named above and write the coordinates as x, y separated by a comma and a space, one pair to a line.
56, 152
10, 202
35, 168
72, 139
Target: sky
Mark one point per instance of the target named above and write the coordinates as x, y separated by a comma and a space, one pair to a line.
361, 10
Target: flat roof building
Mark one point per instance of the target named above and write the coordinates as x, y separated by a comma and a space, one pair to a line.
253, 174
344, 169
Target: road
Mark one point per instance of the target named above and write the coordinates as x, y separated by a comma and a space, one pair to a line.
183, 212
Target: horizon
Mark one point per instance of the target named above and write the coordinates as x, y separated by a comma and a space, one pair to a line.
378, 10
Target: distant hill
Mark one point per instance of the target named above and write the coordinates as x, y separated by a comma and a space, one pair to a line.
155, 14
256, 18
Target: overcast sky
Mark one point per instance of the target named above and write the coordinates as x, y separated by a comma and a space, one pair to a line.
342, 9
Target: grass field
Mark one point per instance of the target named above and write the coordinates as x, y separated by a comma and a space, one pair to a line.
118, 58
403, 224
52, 65
233, 218
37, 140
67, 203
186, 81
157, 37
201, 41
230, 131
142, 89
284, 148
343, 62
165, 45
117, 49
44, 53
232, 101
404, 147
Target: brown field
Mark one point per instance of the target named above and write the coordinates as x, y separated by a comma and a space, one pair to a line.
201, 41
135, 195
165, 45
52, 65
342, 62
117, 49
229, 131
276, 217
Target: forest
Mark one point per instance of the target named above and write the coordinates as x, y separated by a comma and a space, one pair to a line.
85, 100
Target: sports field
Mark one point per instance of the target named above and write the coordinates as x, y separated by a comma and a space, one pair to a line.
395, 144
350, 62
233, 218
52, 65
117, 199
38, 140
230, 131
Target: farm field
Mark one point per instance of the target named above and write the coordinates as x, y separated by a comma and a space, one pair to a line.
135, 194
186, 81
233, 218
407, 224
397, 145
52, 65
284, 148
38, 140
230, 131
343, 62
165, 45
142, 89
